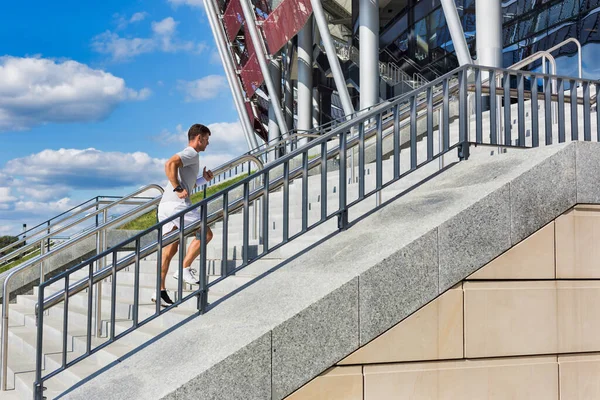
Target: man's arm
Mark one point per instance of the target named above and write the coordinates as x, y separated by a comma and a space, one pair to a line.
171, 167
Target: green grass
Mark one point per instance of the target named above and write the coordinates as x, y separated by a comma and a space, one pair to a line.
145, 221
21, 260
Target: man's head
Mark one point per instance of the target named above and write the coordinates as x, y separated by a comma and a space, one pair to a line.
198, 137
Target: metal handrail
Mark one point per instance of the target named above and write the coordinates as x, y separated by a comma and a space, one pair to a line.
565, 42
534, 57
63, 213
42, 257
48, 224
40, 241
342, 133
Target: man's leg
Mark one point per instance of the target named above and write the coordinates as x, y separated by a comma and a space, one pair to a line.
167, 255
193, 249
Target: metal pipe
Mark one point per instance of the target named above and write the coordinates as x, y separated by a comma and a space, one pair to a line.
578, 44
230, 71
369, 52
305, 78
456, 32
274, 131
332, 57
259, 47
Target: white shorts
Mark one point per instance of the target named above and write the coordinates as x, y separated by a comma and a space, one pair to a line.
168, 209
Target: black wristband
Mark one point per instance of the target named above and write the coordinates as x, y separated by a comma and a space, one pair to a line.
178, 189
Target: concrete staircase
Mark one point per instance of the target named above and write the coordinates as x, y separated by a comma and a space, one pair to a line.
22, 332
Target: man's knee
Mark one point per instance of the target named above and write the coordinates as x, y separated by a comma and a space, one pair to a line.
209, 234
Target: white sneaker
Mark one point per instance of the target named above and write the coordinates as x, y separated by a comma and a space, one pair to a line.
189, 276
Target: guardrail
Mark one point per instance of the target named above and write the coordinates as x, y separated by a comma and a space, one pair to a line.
524, 89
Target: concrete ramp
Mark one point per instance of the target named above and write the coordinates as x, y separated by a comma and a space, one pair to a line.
289, 326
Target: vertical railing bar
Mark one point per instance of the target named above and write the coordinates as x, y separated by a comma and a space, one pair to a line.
446, 107
548, 109
413, 132
597, 114
39, 349
90, 309
65, 320
203, 296
535, 129
265, 216
225, 238
521, 108
430, 124
113, 297
342, 182
246, 224
478, 107
587, 126
361, 160
561, 110
286, 201
136, 284
574, 121
507, 121
182, 248
323, 181
158, 269
304, 191
493, 108
463, 113
396, 111
378, 153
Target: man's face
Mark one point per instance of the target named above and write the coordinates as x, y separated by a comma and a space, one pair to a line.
200, 142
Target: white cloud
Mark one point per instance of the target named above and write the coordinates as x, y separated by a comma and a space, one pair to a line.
166, 27
138, 16
36, 91
205, 88
190, 3
87, 169
43, 208
5, 196
164, 38
226, 140
40, 192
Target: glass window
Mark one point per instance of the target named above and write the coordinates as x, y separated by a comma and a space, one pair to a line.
541, 20
588, 5
421, 42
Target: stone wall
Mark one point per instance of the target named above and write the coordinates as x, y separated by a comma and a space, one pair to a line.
525, 326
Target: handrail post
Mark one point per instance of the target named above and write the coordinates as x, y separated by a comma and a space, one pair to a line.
100, 248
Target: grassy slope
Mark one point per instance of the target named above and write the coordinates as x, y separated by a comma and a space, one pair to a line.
19, 261
145, 221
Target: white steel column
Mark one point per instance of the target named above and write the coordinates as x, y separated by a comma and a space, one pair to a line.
488, 26
456, 32
288, 86
305, 77
369, 53
274, 132
332, 57
234, 84
249, 16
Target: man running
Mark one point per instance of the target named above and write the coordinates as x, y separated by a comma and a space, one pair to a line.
182, 171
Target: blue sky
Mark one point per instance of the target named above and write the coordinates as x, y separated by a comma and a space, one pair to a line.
95, 96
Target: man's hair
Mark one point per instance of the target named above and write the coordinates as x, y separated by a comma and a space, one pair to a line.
196, 130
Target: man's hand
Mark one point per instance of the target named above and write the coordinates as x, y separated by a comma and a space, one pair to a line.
183, 194
208, 175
